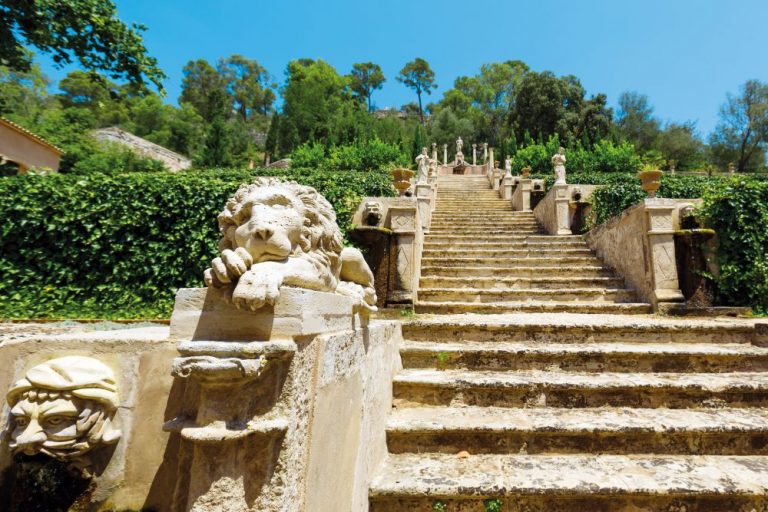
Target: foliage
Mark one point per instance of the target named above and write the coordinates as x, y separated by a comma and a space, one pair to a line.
636, 122
742, 135
417, 75
86, 30
605, 156
365, 78
439, 506
738, 212
492, 505
372, 155
119, 246
610, 201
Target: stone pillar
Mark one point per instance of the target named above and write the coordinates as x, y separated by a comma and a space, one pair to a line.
494, 175
445, 154
506, 187
672, 166
424, 200
562, 201
485, 153
661, 250
521, 197
731, 168
403, 224
474, 154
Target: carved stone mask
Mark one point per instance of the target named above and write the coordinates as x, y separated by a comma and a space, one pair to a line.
63, 408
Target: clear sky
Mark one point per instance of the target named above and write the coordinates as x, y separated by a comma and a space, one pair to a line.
684, 54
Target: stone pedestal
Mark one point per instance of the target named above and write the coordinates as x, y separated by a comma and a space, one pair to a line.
562, 202
403, 222
521, 197
261, 396
661, 250
507, 185
424, 205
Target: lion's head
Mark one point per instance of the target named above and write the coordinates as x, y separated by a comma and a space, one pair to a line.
274, 220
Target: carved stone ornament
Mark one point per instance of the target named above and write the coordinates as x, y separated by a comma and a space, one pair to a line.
277, 233
64, 408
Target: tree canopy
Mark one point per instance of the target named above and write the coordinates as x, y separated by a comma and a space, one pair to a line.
84, 30
418, 76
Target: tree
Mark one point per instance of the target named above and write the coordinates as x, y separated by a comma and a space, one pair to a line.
743, 129
680, 143
204, 88
636, 122
313, 96
418, 76
248, 85
86, 30
23, 94
365, 78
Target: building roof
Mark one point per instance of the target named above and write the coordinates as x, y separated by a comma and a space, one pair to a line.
10, 124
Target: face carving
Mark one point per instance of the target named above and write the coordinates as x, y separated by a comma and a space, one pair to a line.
63, 408
270, 224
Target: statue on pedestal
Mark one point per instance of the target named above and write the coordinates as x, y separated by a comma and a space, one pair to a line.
459, 145
558, 161
423, 162
508, 166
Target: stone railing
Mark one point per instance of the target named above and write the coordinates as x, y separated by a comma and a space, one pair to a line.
556, 211
639, 244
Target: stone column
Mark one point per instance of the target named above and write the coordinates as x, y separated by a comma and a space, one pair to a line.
445, 154
506, 187
731, 168
562, 215
661, 250
403, 224
521, 197
485, 152
423, 203
474, 154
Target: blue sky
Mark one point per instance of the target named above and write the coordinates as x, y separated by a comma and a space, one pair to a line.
684, 54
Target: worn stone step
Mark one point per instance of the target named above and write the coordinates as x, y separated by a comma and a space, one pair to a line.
489, 240
606, 430
482, 223
571, 483
443, 308
546, 328
513, 250
547, 283
603, 356
536, 388
480, 295
482, 215
515, 269
514, 258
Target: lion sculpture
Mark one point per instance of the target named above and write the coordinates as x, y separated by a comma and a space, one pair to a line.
277, 233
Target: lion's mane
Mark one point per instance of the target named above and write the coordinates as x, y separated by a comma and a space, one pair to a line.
321, 240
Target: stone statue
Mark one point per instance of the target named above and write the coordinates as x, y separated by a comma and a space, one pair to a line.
558, 161
423, 161
508, 166
277, 233
459, 145
64, 408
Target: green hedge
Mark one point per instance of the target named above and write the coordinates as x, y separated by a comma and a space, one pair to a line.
738, 212
119, 246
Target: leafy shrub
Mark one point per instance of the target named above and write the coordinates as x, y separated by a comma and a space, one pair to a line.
603, 157
738, 212
119, 246
371, 155
612, 200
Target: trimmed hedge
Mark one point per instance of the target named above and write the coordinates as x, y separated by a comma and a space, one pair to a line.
103, 246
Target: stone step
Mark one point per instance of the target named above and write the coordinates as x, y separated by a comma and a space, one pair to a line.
536, 388
483, 233
483, 296
510, 251
606, 430
491, 240
578, 328
506, 220
490, 283
522, 258
515, 268
605, 356
457, 208
444, 308
483, 228
571, 483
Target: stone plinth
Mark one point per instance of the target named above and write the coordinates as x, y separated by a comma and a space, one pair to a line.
562, 201
521, 197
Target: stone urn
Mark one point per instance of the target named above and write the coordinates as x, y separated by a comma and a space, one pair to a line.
402, 179
650, 181
526, 172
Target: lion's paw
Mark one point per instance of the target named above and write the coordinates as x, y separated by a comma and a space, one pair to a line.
255, 290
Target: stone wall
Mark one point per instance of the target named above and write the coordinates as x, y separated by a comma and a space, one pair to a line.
143, 147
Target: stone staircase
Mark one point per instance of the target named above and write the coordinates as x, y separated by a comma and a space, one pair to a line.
567, 412
482, 257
